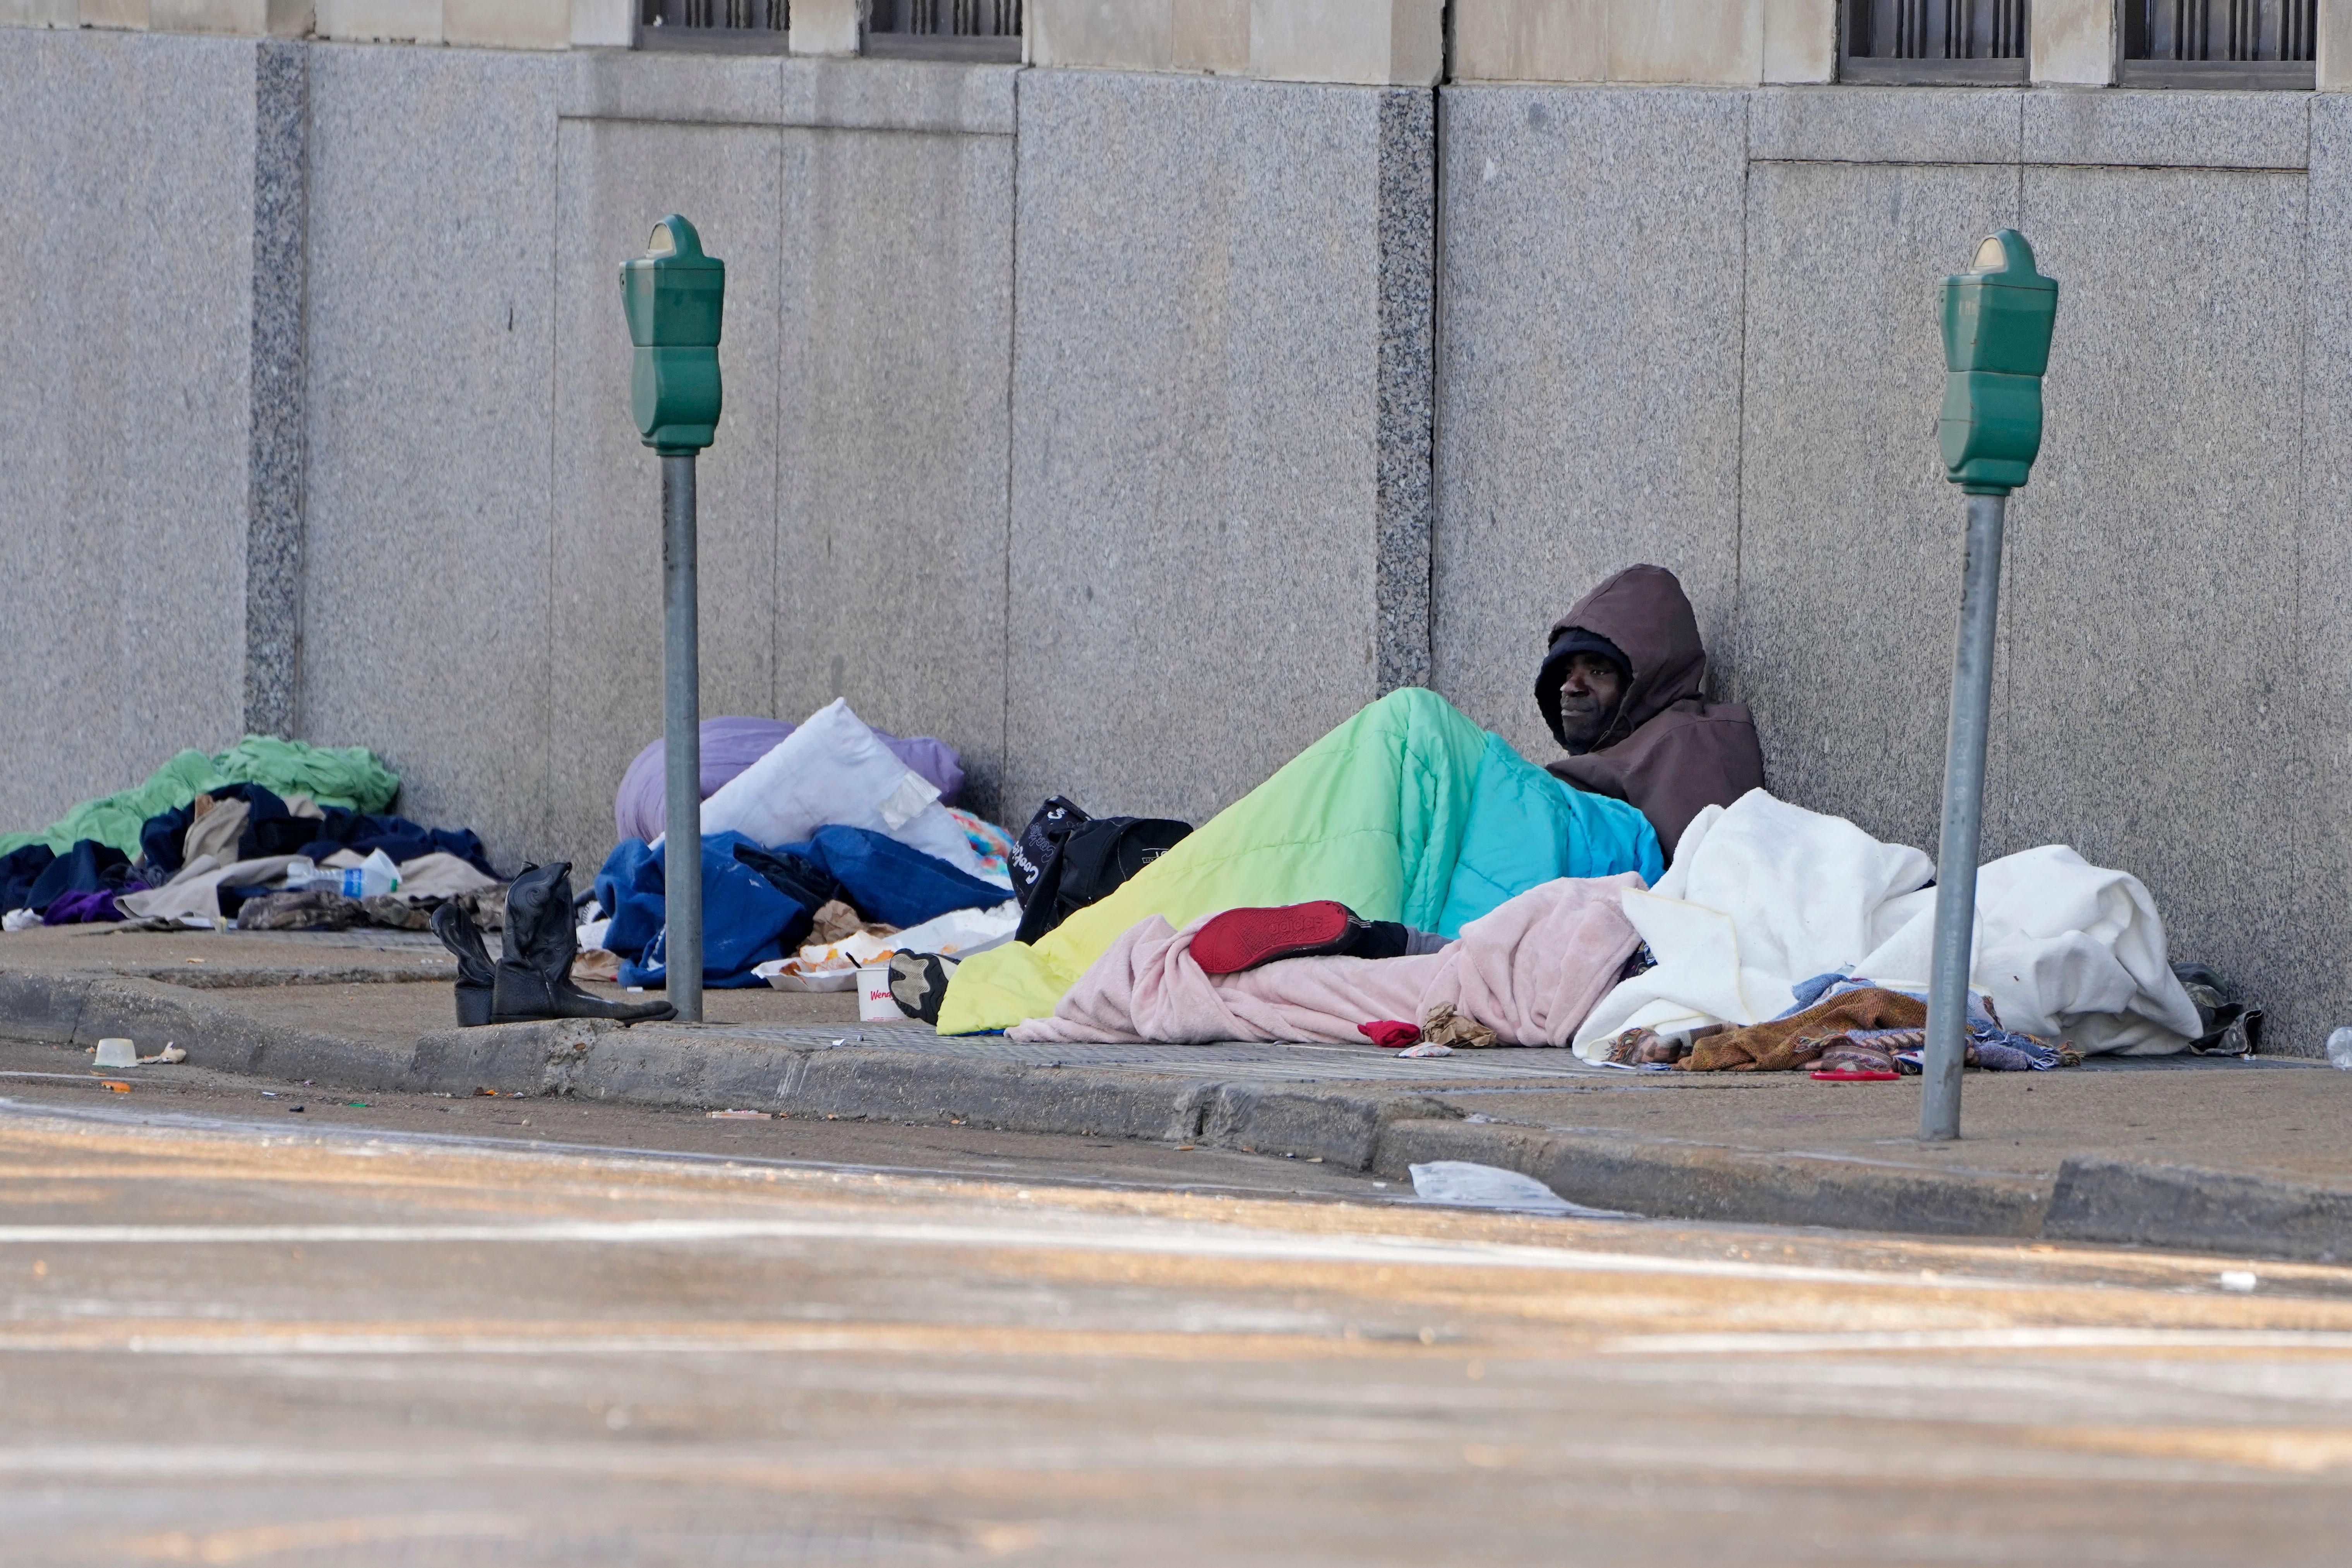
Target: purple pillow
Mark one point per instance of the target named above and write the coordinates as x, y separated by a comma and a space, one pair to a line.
730, 745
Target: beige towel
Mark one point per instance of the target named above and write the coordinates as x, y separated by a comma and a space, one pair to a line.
196, 890
217, 825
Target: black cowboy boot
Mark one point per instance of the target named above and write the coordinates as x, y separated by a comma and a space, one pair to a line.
456, 931
534, 979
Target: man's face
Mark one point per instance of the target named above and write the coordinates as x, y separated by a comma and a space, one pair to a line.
1588, 699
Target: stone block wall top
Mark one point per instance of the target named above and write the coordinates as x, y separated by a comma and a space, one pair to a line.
935, 96
1703, 43
2170, 130
1885, 125
245, 18
1366, 42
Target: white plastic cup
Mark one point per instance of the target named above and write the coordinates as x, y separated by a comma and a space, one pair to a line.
117, 1053
874, 1002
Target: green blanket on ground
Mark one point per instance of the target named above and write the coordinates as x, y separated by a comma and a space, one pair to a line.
1407, 812
347, 776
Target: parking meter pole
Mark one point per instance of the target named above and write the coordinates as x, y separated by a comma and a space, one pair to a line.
1955, 863
1997, 318
674, 297
681, 742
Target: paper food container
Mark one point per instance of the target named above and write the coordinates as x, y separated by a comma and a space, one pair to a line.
874, 1002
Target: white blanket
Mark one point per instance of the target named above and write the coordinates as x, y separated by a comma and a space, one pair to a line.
1766, 894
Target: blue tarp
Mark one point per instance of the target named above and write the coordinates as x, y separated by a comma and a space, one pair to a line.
892, 883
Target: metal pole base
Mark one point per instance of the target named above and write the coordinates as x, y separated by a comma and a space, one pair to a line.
1956, 861
681, 743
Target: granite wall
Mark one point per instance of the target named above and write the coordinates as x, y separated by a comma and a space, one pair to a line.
128, 476
1224, 325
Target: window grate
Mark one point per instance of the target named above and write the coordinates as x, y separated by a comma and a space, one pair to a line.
1932, 41
756, 26
950, 29
2220, 43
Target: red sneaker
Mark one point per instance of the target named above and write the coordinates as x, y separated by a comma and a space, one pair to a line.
1244, 939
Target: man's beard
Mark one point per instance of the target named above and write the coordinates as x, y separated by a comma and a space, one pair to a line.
1581, 720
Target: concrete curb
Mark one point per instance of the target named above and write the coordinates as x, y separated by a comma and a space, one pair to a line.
2184, 1206
1709, 1181
1353, 1125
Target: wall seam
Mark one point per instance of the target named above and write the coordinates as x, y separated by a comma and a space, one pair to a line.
277, 440
546, 829
776, 462
1404, 375
1012, 384
2302, 766
1738, 637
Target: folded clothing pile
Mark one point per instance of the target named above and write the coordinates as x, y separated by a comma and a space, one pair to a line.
253, 821
203, 859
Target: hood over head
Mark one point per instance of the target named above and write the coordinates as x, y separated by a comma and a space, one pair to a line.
1643, 611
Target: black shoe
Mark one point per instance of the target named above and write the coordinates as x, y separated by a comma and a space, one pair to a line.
919, 984
533, 980
457, 933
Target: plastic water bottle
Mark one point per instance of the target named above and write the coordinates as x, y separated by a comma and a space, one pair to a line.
2339, 1050
370, 878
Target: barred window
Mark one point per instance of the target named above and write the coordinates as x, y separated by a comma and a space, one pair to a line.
1934, 42
945, 29
2220, 42
755, 26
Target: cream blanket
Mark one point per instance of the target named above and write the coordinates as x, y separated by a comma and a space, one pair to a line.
1764, 895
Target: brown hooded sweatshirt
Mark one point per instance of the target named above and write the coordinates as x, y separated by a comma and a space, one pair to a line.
1668, 751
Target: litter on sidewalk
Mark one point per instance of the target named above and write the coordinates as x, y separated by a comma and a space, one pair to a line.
1468, 1185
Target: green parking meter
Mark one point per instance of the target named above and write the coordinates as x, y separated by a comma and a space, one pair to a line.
675, 299
1997, 318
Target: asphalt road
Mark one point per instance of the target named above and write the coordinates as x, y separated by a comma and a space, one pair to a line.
420, 1333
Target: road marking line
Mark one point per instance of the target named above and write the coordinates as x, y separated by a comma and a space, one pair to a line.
1246, 1245
2024, 1339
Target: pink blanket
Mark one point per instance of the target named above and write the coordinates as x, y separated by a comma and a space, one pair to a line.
1529, 971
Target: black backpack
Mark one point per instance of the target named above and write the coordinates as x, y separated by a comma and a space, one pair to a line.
1066, 860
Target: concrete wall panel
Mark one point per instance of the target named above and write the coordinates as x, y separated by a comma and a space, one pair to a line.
617, 178
1850, 538
2154, 682
893, 445
1589, 392
1195, 430
425, 577
127, 310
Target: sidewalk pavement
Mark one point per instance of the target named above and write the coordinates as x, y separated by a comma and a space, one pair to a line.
2245, 1158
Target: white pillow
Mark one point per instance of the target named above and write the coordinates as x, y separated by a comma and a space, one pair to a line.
833, 771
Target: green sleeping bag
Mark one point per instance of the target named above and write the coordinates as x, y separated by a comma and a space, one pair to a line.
1407, 812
